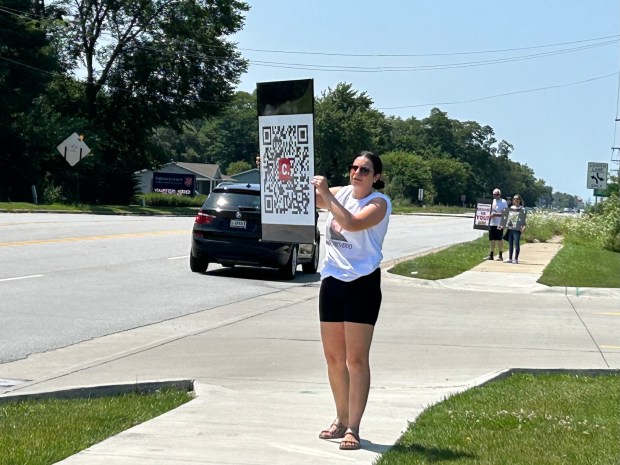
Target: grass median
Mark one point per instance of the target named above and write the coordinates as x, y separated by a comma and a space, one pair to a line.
522, 420
573, 265
42, 432
24, 207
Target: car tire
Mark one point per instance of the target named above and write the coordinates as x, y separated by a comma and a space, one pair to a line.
197, 265
288, 271
313, 265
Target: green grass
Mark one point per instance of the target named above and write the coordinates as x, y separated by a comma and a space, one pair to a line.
42, 432
521, 420
165, 204
446, 263
100, 209
445, 209
578, 266
572, 266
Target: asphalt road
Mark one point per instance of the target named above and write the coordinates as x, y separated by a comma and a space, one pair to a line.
67, 278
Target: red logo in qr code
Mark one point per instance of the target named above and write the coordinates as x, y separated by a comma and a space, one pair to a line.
188, 182
285, 169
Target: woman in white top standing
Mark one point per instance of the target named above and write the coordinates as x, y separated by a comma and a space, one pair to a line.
350, 295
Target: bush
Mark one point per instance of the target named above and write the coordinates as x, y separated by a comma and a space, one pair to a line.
542, 227
168, 200
52, 194
598, 229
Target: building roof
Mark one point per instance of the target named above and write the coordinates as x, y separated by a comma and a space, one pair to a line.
203, 169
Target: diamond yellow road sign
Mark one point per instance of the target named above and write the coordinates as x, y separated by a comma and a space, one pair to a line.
73, 149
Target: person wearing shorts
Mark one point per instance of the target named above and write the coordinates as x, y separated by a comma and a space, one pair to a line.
495, 233
350, 295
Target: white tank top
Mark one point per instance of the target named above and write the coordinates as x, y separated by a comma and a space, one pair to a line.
351, 255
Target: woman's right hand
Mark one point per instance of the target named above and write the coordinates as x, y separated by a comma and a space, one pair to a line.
320, 185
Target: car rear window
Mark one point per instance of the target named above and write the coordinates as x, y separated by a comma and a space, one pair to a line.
233, 200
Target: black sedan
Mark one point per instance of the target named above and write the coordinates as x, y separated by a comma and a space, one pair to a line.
227, 230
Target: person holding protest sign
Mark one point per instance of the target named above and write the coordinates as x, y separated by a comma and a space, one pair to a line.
515, 226
350, 294
495, 233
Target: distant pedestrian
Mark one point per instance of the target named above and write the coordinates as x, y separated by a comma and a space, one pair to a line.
495, 233
515, 225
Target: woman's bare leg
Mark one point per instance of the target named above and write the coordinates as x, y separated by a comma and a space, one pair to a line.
358, 338
335, 350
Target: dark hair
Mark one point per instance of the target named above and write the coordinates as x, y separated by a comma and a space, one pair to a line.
377, 167
517, 197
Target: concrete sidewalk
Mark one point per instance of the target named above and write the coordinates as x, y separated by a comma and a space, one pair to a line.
261, 387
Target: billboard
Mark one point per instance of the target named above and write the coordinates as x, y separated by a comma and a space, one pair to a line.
174, 183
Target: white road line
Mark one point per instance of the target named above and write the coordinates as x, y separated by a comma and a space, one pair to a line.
22, 277
178, 258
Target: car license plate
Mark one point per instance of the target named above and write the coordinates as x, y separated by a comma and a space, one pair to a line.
238, 224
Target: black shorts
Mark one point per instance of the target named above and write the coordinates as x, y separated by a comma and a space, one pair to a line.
357, 301
495, 234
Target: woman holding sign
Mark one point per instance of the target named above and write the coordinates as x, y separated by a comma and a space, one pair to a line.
515, 226
350, 295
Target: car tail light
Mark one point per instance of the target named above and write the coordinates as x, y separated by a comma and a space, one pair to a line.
203, 218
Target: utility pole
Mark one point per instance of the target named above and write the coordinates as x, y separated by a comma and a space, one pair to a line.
616, 159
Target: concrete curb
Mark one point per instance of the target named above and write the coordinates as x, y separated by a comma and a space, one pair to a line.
105, 390
504, 374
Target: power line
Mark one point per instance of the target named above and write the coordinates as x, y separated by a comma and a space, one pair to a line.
502, 95
607, 40
615, 38
108, 86
381, 108
382, 69
418, 55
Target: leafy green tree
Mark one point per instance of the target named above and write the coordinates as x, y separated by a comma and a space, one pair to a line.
223, 139
148, 64
520, 179
449, 180
440, 137
233, 136
345, 124
238, 167
405, 173
27, 64
406, 135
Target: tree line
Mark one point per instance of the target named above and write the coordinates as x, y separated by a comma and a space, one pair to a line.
446, 157
150, 82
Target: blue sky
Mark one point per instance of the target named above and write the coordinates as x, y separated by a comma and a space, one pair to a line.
555, 131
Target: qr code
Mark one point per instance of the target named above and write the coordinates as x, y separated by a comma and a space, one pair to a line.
286, 163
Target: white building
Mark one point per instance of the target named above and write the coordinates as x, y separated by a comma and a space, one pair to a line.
207, 176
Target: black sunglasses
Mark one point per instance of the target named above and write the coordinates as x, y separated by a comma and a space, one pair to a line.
362, 169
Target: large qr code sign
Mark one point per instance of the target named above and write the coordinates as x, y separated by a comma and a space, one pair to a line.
286, 164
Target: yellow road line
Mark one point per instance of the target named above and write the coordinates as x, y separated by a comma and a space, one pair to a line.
609, 313
609, 347
93, 238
